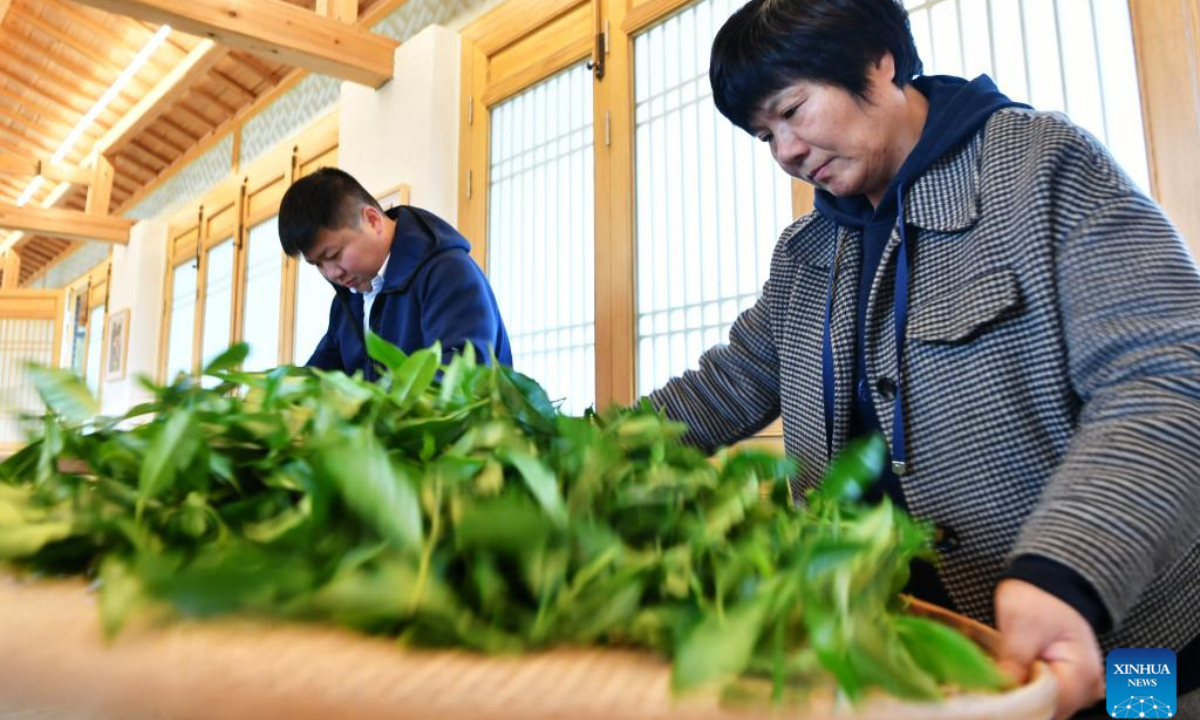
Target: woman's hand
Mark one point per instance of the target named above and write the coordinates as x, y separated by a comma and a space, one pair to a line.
1035, 625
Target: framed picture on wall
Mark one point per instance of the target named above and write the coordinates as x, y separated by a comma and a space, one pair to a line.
394, 196
118, 344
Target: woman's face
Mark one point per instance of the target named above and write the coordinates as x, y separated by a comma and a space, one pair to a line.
825, 136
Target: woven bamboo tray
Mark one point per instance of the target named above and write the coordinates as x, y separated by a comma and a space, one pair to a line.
54, 665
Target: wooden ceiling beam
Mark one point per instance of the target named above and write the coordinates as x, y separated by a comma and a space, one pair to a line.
30, 166
66, 224
171, 88
276, 30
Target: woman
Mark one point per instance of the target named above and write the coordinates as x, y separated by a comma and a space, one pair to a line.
982, 284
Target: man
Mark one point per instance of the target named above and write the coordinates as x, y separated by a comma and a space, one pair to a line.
404, 274
983, 285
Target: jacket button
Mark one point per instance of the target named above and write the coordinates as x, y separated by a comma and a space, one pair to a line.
886, 388
945, 539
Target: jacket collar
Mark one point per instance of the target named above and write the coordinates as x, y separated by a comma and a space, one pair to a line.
945, 198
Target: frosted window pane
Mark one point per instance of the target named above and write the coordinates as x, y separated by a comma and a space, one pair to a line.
1072, 56
314, 296
95, 349
183, 319
218, 304
541, 239
710, 199
22, 342
260, 312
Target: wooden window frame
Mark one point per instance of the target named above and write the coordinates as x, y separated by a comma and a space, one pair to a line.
1164, 38
229, 210
520, 43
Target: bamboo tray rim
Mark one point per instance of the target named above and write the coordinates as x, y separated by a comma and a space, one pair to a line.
55, 664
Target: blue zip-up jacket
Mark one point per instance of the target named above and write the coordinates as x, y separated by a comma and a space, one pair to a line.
432, 291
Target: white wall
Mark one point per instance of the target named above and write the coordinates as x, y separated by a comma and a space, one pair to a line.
407, 131
136, 283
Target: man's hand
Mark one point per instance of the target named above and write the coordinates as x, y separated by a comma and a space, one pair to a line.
1035, 625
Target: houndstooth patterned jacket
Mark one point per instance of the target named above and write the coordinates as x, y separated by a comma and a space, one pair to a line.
1051, 371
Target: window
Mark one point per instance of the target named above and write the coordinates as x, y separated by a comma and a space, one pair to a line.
314, 297
541, 222
710, 200
95, 349
687, 209
1073, 56
182, 320
218, 302
264, 290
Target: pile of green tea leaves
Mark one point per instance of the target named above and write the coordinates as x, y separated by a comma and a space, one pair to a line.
455, 506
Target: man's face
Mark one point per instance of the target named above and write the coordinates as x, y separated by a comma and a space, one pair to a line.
351, 257
825, 136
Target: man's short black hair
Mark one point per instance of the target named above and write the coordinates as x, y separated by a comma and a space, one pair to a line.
768, 45
329, 199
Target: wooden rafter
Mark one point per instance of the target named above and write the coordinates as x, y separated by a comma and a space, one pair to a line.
255, 66
82, 16
234, 85
57, 107
70, 41
152, 132
171, 124
182, 107
32, 133
282, 32
127, 159
130, 92
67, 224
65, 87
226, 108
139, 145
170, 88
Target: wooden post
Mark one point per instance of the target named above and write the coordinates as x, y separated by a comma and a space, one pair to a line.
100, 193
341, 10
12, 269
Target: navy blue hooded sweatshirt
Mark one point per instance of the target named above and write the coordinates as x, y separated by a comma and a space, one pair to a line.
432, 291
958, 109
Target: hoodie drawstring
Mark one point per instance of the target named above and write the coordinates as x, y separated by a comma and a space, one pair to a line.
899, 448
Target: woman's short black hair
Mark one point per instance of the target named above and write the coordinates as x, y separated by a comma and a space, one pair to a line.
769, 44
329, 199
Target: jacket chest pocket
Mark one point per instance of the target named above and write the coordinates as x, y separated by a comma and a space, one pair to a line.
962, 313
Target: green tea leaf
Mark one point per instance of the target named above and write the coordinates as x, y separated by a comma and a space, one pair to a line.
947, 655
377, 490
228, 360
719, 648
385, 353
541, 482
171, 449
64, 393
